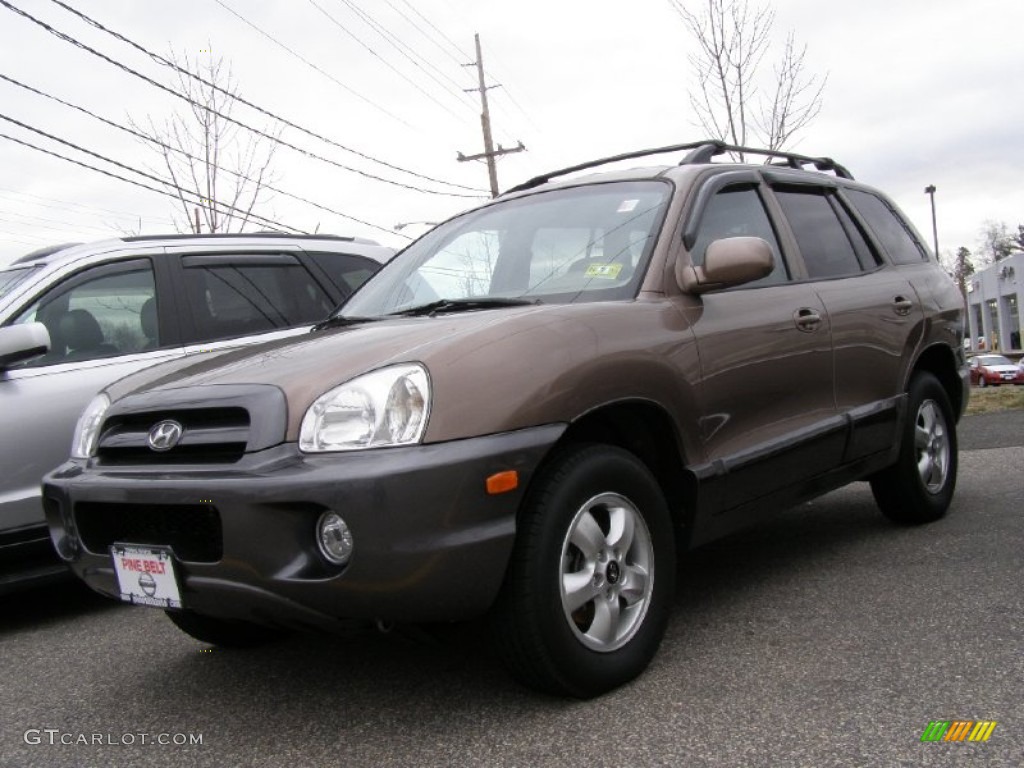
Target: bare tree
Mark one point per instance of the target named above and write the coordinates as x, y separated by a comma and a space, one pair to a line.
731, 101
208, 157
996, 241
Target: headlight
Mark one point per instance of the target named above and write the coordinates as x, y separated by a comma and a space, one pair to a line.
382, 409
87, 431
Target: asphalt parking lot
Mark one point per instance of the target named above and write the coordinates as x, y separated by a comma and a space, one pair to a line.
825, 637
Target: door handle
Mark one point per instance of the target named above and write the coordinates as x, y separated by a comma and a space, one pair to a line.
902, 306
807, 319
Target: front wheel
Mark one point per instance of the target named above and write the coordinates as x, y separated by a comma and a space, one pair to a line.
589, 587
223, 632
918, 488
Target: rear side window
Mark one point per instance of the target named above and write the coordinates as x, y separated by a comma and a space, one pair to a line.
230, 300
892, 232
823, 241
346, 271
737, 212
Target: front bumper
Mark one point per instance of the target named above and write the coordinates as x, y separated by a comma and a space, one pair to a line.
429, 543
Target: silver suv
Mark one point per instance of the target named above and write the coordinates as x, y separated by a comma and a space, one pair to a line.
100, 311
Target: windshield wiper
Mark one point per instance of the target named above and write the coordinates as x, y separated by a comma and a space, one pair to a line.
340, 321
461, 305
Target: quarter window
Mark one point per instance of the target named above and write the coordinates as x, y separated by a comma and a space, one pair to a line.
348, 272
892, 232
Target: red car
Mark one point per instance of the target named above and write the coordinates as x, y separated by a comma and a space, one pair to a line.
992, 370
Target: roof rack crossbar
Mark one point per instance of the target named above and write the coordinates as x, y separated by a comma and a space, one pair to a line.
536, 181
699, 152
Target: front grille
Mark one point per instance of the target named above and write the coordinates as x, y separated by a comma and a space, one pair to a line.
193, 531
210, 436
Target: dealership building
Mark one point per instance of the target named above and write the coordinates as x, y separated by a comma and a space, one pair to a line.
994, 297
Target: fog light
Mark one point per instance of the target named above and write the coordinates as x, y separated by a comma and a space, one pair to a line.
334, 538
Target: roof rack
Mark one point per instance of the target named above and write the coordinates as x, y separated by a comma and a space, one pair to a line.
228, 235
42, 253
700, 152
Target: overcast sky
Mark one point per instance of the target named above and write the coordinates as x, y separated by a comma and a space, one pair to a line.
919, 92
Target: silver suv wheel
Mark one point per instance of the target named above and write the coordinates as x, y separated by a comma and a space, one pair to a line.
607, 572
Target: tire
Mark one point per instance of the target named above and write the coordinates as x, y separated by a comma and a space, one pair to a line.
918, 488
223, 632
589, 587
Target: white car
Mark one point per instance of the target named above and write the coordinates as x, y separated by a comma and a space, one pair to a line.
75, 318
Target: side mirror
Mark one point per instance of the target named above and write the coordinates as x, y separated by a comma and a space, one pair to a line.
728, 262
19, 343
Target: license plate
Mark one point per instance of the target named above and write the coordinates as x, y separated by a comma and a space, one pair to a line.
146, 575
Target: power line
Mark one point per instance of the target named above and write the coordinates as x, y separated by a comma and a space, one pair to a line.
181, 192
406, 51
67, 204
174, 65
459, 56
307, 62
4, 212
178, 150
384, 61
161, 86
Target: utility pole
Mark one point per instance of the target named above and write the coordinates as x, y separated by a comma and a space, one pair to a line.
490, 153
198, 231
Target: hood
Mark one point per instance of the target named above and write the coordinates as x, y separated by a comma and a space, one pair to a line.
318, 360
491, 370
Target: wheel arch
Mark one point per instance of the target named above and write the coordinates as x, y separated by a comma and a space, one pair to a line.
940, 361
644, 429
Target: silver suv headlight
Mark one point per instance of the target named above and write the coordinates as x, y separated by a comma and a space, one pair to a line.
87, 431
382, 409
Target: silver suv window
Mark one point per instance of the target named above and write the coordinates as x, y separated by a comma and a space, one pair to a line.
113, 313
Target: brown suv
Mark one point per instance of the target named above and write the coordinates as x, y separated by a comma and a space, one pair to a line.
531, 412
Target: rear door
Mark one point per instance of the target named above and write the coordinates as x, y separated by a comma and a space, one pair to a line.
875, 312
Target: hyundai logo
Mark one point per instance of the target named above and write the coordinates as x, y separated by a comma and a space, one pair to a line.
165, 435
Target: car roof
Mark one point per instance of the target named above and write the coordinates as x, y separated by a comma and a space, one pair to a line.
55, 254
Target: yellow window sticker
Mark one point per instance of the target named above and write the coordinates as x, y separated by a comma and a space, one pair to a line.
608, 271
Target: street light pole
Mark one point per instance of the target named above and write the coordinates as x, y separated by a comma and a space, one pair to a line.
930, 191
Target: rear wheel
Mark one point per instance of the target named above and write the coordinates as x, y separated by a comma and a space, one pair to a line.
223, 632
918, 488
589, 587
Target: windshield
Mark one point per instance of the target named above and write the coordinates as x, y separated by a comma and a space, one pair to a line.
587, 243
994, 360
11, 277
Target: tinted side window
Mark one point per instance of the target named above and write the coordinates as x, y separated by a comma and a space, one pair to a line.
888, 227
347, 272
824, 245
231, 300
110, 314
738, 212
